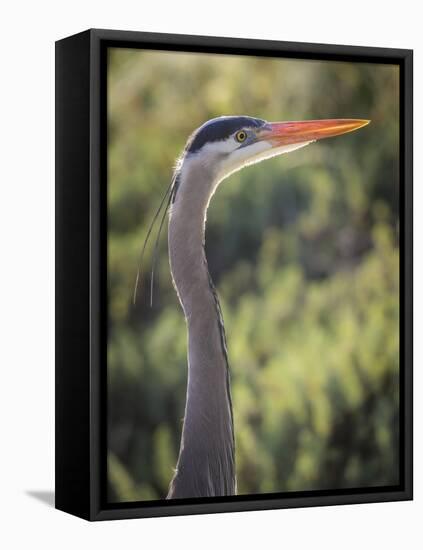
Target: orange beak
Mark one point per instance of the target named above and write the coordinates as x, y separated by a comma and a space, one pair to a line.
285, 133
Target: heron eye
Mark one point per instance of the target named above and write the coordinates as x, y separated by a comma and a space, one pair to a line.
241, 136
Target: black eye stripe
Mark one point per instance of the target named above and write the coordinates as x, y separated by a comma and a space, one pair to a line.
219, 129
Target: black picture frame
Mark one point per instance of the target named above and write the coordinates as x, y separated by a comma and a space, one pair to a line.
81, 271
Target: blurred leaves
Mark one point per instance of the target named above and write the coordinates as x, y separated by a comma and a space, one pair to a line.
304, 252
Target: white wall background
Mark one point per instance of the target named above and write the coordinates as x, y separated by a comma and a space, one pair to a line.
27, 37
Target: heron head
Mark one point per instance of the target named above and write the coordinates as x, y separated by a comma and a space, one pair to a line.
228, 143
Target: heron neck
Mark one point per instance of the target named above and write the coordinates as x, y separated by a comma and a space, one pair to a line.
206, 460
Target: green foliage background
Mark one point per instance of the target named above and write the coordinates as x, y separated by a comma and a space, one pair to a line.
303, 249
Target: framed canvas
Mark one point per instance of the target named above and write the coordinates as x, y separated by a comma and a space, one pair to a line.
233, 291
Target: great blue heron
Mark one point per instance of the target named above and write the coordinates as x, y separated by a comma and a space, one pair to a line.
221, 146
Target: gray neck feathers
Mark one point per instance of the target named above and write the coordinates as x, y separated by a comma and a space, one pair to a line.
206, 463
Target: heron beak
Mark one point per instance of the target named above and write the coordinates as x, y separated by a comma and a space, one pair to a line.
286, 133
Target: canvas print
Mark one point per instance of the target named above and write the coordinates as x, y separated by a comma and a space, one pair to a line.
252, 275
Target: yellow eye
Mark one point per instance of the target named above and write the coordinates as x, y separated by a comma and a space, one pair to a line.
241, 136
